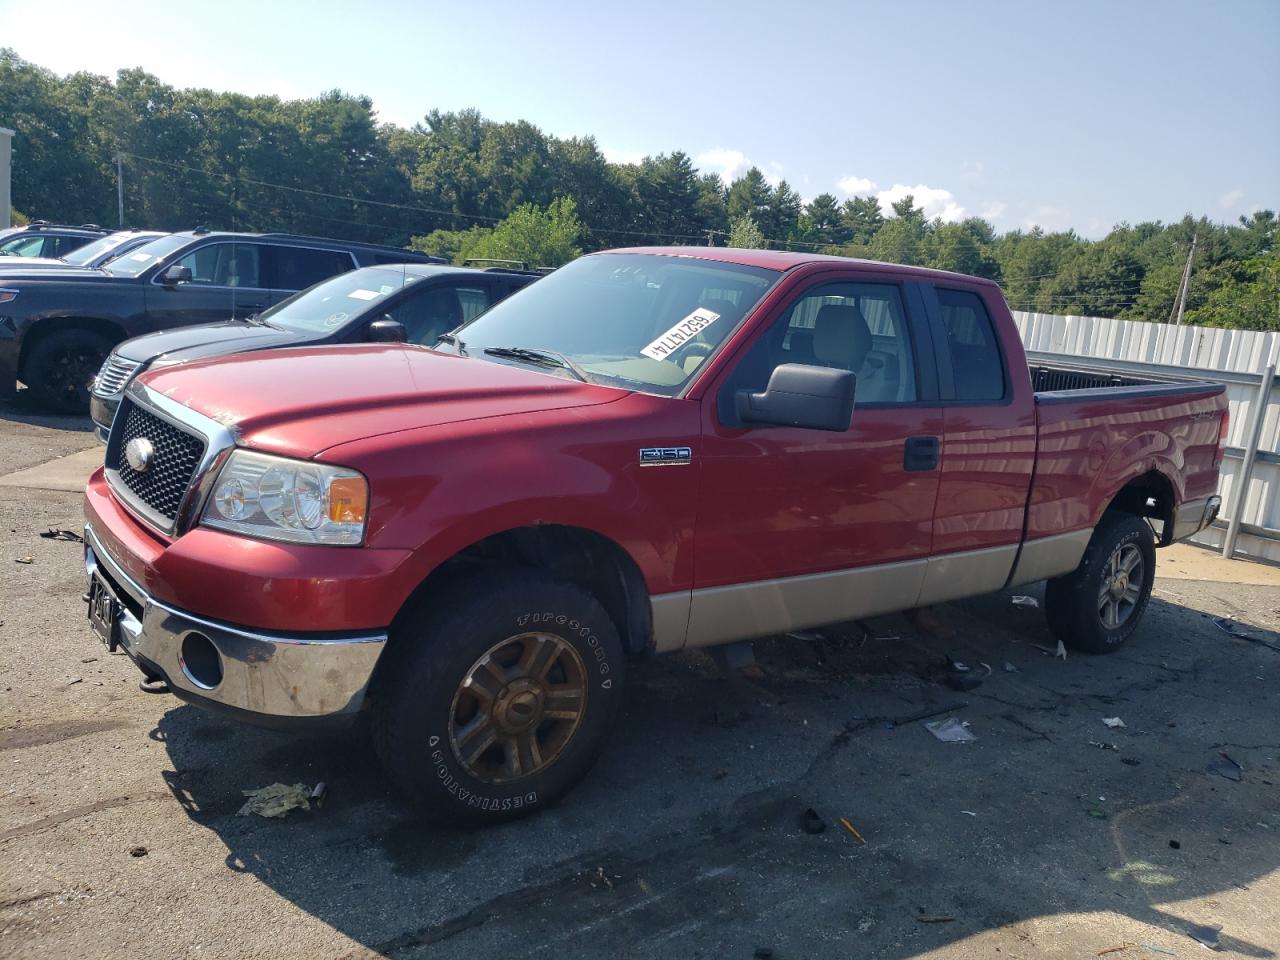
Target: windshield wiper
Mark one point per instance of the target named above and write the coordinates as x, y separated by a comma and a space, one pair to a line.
547, 358
454, 339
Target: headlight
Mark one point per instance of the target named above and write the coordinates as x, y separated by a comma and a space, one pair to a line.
7, 295
275, 498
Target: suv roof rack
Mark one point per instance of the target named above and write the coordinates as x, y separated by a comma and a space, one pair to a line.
49, 225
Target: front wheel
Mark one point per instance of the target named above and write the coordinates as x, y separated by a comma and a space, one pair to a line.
61, 367
1098, 606
495, 701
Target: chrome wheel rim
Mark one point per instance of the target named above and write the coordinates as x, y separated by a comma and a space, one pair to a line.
518, 707
1121, 587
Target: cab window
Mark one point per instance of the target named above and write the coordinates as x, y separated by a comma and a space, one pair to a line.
225, 265
977, 369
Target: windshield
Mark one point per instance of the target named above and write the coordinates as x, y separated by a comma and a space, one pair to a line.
638, 321
91, 251
331, 303
133, 264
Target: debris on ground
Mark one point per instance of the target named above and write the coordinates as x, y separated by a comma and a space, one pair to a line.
811, 822
1019, 600
1175, 845
1060, 653
958, 675
74, 680
936, 919
968, 813
1103, 746
951, 730
88, 659
1154, 949
1098, 814
1115, 723
24, 560
1122, 947
1207, 935
69, 535
276, 800
318, 794
137, 851
806, 636
1009, 667
1224, 766
763, 953
853, 830
926, 714
1229, 626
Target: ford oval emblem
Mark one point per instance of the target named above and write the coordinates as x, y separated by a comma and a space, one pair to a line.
139, 453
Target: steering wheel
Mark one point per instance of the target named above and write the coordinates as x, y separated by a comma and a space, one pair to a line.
695, 348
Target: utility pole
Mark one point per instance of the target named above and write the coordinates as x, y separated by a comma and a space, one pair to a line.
710, 237
120, 188
1180, 304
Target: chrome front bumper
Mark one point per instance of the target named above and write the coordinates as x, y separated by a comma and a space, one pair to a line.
268, 675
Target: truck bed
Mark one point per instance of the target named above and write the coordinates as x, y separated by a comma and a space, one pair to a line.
1099, 429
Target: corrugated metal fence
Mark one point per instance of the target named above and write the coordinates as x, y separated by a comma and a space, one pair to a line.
1238, 358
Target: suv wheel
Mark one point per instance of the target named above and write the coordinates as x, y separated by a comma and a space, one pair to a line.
497, 701
1098, 606
59, 370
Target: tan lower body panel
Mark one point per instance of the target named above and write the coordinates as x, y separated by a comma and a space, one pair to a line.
1050, 556
743, 611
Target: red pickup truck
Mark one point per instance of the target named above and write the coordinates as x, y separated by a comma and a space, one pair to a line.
650, 449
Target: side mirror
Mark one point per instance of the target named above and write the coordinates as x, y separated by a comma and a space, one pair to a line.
175, 274
387, 330
801, 395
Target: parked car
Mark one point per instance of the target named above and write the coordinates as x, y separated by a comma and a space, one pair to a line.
56, 329
42, 239
93, 254
648, 450
413, 303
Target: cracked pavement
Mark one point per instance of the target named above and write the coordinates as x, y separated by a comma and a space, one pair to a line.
1050, 836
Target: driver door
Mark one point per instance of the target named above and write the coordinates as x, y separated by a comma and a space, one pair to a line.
799, 527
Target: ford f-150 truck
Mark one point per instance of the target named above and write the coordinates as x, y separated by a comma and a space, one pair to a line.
649, 450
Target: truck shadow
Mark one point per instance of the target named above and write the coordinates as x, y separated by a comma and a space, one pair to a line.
687, 838
19, 409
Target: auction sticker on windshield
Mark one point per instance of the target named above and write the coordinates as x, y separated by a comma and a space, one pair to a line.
666, 345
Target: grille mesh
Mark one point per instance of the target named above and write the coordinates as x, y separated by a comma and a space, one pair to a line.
177, 455
115, 373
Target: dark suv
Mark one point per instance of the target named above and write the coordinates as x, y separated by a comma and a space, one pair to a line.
408, 303
50, 240
57, 328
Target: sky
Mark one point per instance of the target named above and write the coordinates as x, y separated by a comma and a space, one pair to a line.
1078, 114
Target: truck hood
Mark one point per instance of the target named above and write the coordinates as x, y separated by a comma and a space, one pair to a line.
301, 401
206, 340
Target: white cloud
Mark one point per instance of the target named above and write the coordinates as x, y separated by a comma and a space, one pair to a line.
856, 185
935, 201
1231, 199
994, 210
1049, 218
614, 155
729, 164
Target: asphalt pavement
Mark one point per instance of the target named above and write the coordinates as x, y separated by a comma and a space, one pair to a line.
1051, 835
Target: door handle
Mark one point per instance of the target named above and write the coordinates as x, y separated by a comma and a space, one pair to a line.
921, 453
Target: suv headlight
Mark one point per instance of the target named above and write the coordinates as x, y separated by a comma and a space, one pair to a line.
275, 498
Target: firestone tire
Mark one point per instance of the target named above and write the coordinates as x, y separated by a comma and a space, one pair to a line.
60, 368
1097, 607
495, 700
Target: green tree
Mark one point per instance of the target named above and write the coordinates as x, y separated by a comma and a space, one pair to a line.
862, 218
749, 196
745, 233
539, 237
821, 221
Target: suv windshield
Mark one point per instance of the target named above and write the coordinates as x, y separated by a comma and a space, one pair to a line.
91, 251
642, 322
331, 303
132, 264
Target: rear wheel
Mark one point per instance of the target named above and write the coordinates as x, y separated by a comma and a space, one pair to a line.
1098, 606
59, 370
497, 702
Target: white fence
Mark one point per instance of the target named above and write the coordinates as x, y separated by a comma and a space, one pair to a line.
1238, 358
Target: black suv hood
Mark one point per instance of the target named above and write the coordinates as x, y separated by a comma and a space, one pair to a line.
10, 270
208, 340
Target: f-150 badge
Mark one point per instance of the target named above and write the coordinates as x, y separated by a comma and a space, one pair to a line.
665, 456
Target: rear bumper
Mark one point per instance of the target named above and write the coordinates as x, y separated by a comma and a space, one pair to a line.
1193, 516
265, 677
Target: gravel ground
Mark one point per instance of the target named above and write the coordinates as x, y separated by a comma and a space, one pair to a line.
1050, 836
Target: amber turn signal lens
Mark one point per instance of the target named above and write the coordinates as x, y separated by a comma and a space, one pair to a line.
348, 500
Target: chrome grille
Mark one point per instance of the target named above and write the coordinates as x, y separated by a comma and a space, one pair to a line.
161, 487
115, 373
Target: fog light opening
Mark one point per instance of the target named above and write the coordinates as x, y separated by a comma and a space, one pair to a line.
200, 661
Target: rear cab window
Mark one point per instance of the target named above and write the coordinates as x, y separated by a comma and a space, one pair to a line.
977, 367
296, 268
